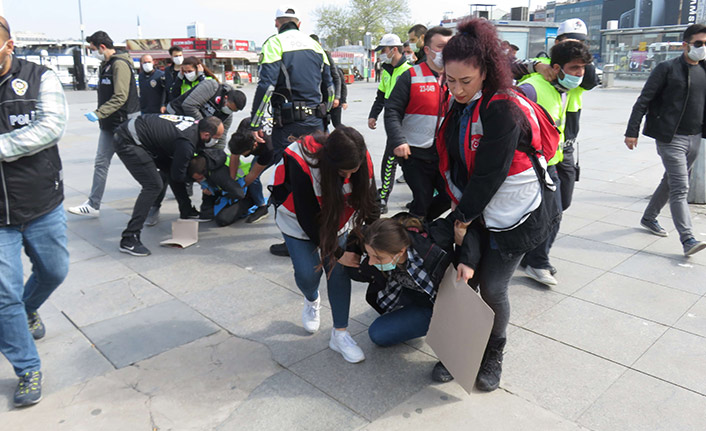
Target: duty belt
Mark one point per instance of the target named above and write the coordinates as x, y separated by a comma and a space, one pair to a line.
133, 131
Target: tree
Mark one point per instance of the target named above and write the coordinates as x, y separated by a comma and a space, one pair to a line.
336, 24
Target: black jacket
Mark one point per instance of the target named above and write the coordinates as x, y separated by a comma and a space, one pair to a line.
32, 185
218, 173
663, 98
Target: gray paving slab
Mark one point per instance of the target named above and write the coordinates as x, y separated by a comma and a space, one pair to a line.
555, 376
150, 331
628, 237
573, 276
604, 332
80, 249
677, 273
68, 358
694, 320
96, 271
86, 306
571, 223
639, 402
285, 401
397, 372
677, 357
259, 310
640, 298
449, 407
596, 210
529, 299
587, 252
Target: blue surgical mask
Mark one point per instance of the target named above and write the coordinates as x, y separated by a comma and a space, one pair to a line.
389, 266
570, 81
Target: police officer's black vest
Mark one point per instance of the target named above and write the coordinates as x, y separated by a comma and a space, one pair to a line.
30, 186
106, 90
212, 108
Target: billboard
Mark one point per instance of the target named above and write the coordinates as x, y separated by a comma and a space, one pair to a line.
652, 13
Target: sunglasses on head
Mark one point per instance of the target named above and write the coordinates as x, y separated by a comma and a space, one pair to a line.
698, 43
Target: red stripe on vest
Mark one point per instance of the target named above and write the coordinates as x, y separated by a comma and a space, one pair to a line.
423, 96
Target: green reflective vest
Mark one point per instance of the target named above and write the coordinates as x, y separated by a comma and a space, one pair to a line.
187, 85
550, 99
387, 80
243, 169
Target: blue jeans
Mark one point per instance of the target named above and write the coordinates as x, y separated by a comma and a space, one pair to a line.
305, 259
403, 324
104, 154
255, 188
44, 240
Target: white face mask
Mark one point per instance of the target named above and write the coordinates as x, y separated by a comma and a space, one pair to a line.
191, 76
385, 58
697, 54
2, 63
438, 59
211, 143
178, 60
99, 55
409, 57
148, 67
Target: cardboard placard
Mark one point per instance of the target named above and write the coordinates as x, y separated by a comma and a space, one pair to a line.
459, 329
184, 234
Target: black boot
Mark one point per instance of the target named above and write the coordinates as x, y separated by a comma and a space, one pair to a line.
491, 367
441, 374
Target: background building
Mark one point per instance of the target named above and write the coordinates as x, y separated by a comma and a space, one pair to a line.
590, 12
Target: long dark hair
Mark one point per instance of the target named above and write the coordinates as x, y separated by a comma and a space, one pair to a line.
390, 235
195, 62
343, 149
477, 43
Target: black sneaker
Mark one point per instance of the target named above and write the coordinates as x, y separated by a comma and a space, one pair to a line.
204, 217
692, 246
653, 226
279, 249
132, 245
383, 207
491, 368
441, 374
400, 180
258, 215
36, 326
552, 269
29, 389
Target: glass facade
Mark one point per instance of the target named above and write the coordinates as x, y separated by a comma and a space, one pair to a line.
635, 52
591, 13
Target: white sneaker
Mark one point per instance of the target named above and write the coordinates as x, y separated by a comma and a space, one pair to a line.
343, 343
85, 210
543, 276
310, 315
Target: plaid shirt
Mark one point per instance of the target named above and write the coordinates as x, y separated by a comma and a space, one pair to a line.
52, 113
414, 277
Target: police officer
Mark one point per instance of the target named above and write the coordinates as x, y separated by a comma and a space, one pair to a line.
210, 98
152, 90
33, 117
167, 142
293, 67
394, 64
117, 101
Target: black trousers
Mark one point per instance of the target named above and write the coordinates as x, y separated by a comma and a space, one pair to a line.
567, 175
423, 177
142, 167
387, 174
336, 116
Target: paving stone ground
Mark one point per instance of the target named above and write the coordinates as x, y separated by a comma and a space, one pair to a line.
209, 338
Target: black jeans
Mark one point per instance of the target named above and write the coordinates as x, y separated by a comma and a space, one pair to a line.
539, 256
493, 276
423, 177
142, 167
336, 116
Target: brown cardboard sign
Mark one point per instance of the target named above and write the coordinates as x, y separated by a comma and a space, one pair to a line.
184, 234
459, 329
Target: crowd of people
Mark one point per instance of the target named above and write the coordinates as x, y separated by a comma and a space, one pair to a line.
486, 143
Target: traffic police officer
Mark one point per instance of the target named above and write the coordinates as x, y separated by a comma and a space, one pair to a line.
293, 67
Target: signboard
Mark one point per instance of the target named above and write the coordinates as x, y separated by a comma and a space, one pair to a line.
651, 13
459, 329
241, 45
